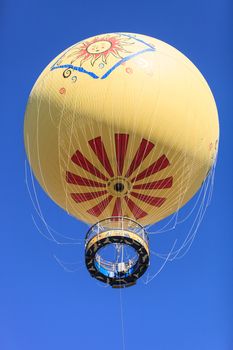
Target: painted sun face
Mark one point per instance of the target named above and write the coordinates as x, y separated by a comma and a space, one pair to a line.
100, 48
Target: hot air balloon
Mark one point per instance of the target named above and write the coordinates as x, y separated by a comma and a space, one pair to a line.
121, 130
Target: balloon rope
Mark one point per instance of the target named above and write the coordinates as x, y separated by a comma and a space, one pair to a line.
122, 321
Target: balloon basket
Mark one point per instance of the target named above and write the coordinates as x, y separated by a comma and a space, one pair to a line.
117, 251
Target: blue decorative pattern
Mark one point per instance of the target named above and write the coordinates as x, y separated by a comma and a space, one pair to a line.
106, 74
79, 69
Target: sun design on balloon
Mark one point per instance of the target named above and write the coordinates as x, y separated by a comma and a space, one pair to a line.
120, 188
100, 48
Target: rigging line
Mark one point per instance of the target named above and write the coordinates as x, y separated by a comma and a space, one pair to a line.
62, 264
187, 245
167, 208
99, 284
36, 198
37, 134
83, 128
150, 156
193, 208
104, 171
76, 138
39, 212
122, 321
191, 235
184, 193
135, 135
63, 149
178, 221
198, 218
52, 239
59, 148
187, 180
94, 159
181, 157
181, 220
212, 175
50, 111
162, 229
38, 100
38, 229
67, 197
163, 265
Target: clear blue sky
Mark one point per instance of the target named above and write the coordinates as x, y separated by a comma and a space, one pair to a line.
190, 305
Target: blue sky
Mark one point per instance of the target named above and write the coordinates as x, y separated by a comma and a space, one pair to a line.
189, 305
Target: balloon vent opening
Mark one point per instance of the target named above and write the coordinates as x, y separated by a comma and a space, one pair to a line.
117, 251
119, 187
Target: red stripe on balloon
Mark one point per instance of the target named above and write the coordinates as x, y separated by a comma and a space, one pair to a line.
137, 212
117, 210
79, 159
156, 201
142, 152
164, 183
82, 197
99, 208
99, 149
121, 142
82, 181
158, 165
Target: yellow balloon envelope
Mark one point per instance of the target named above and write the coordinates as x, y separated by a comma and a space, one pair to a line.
121, 125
